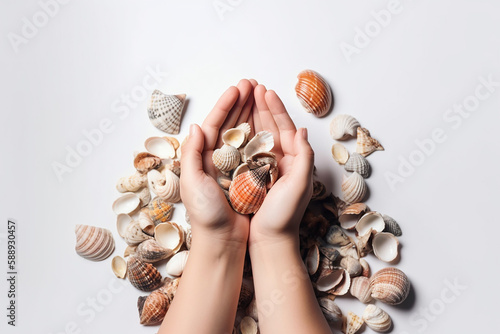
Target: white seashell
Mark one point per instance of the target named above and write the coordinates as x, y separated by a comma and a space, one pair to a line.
261, 142
377, 319
330, 309
166, 185
145, 222
349, 217
335, 282
349, 250
234, 137
360, 288
119, 266
169, 235
353, 323
243, 168
354, 188
177, 263
122, 222
161, 147
358, 163
94, 243
134, 234
132, 183
365, 144
144, 195
248, 326
343, 127
165, 111
340, 153
127, 203
247, 129
370, 221
385, 246
226, 158
392, 226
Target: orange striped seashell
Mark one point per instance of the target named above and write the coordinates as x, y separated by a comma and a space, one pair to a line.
152, 309
94, 243
144, 276
160, 211
248, 190
314, 93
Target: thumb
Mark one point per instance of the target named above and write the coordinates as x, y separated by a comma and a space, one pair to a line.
191, 158
303, 164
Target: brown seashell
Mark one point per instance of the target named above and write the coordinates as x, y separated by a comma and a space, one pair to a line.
144, 276
248, 190
94, 243
390, 285
392, 226
312, 259
365, 144
265, 158
314, 93
153, 308
360, 288
170, 287
160, 211
358, 163
150, 251
145, 161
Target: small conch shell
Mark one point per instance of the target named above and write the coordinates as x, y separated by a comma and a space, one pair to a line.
365, 144
248, 326
144, 276
314, 93
127, 203
390, 285
360, 288
377, 319
119, 266
94, 243
132, 183
150, 251
353, 323
340, 153
165, 111
354, 188
234, 137
160, 211
265, 158
166, 185
248, 190
370, 221
145, 161
160, 147
343, 127
392, 226
350, 215
226, 158
261, 142
169, 235
175, 266
357, 163
330, 309
153, 308
385, 246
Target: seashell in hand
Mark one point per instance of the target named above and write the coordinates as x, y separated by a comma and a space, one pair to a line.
169, 235
314, 93
350, 215
354, 188
248, 190
390, 285
377, 319
357, 163
94, 243
370, 221
119, 266
385, 246
153, 308
360, 288
144, 276
265, 158
353, 323
166, 185
165, 111
127, 203
226, 158
160, 211
150, 251
145, 161
160, 147
247, 129
392, 226
365, 144
132, 183
330, 309
343, 127
261, 142
175, 266
340, 153
234, 137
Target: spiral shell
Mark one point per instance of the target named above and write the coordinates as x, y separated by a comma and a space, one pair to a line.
153, 308
145, 161
150, 251
390, 285
160, 211
354, 188
165, 111
226, 158
314, 93
248, 190
365, 144
145, 222
376, 318
94, 243
132, 183
144, 276
343, 127
360, 288
357, 163
166, 185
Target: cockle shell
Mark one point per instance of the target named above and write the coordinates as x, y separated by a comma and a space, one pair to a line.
144, 195
343, 127
352, 266
370, 221
358, 163
392, 226
248, 326
169, 235
365, 144
390, 285
165, 111
353, 323
153, 308
385, 246
160, 147
261, 142
314, 93
150, 251
119, 266
166, 185
226, 158
335, 282
134, 235
145, 161
132, 183
145, 222
248, 190
340, 153
127, 203
175, 266
234, 137
354, 188
94, 243
160, 211
144, 276
350, 215
377, 319
312, 259
360, 288
247, 129
336, 236
330, 309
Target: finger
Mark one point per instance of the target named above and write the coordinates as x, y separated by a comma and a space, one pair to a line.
246, 89
255, 114
283, 121
303, 163
217, 116
266, 118
191, 157
247, 109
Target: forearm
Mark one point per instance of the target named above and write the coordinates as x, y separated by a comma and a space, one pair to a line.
207, 297
285, 298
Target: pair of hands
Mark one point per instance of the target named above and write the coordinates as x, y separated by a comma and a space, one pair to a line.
279, 216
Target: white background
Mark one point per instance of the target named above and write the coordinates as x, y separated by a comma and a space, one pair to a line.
65, 78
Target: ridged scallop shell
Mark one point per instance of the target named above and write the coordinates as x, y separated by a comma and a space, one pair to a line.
160, 211
350, 215
343, 127
385, 246
357, 163
354, 188
166, 185
144, 276
365, 144
132, 183
165, 111
150, 251
153, 308
261, 142
175, 266
247, 129
248, 326
390, 285
314, 93
377, 319
134, 235
392, 226
248, 190
353, 323
127, 203
226, 158
370, 221
360, 288
160, 147
340, 153
234, 137
145, 161
119, 266
335, 282
94, 243
330, 309
169, 235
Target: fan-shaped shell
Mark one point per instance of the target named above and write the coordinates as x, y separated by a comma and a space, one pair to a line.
314, 93
160, 147
169, 235
357, 163
390, 285
150, 251
340, 153
153, 308
145, 161
166, 185
132, 183
234, 137
160, 211
354, 188
248, 190
175, 266
365, 144
119, 266
127, 203
94, 243
261, 142
385, 246
165, 111
392, 226
360, 288
330, 309
343, 127
226, 158
370, 221
247, 129
376, 318
144, 276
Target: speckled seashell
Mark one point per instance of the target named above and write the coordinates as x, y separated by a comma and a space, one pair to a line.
350, 215
385, 246
263, 141
340, 153
226, 158
144, 195
166, 185
319, 191
358, 163
144, 276
165, 111
392, 226
132, 183
343, 127
119, 266
175, 266
377, 319
234, 137
127, 203
248, 190
353, 323
134, 235
352, 266
354, 188
360, 288
94, 243
153, 308
330, 309
160, 211
390, 285
365, 144
150, 251
145, 161
314, 93
336, 236
370, 221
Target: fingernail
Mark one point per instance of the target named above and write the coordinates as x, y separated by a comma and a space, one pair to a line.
304, 133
